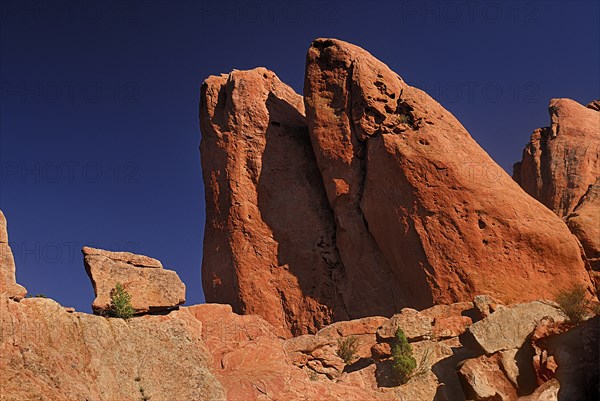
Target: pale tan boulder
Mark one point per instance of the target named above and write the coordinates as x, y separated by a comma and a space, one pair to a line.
151, 287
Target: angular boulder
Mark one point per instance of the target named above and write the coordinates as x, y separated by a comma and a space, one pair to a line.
508, 327
419, 205
571, 355
8, 281
563, 160
269, 246
484, 379
415, 325
151, 287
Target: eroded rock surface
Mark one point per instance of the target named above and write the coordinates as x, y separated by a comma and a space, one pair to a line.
404, 179
151, 287
563, 160
47, 353
508, 327
8, 282
378, 199
269, 246
584, 222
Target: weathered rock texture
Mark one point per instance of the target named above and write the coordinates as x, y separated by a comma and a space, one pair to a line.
151, 287
252, 363
484, 379
561, 169
208, 353
8, 283
383, 202
584, 222
561, 161
571, 355
508, 328
401, 174
47, 353
269, 242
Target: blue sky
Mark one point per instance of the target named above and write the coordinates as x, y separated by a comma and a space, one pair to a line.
99, 102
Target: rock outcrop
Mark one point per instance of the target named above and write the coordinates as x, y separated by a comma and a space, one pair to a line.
561, 161
208, 353
561, 168
570, 355
364, 215
151, 287
584, 222
381, 203
8, 282
47, 353
269, 241
252, 363
400, 169
508, 328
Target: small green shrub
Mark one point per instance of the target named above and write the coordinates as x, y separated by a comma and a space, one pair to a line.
403, 361
574, 303
405, 119
347, 348
120, 302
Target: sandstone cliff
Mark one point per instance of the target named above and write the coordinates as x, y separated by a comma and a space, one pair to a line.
269, 243
561, 161
374, 201
561, 168
584, 222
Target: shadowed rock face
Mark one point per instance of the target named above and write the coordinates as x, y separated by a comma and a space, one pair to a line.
378, 199
269, 243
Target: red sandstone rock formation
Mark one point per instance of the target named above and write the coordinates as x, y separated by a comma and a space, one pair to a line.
401, 176
151, 287
562, 161
390, 204
584, 222
8, 283
208, 353
561, 169
269, 246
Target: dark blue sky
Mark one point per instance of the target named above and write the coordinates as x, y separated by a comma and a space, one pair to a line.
98, 121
